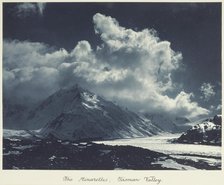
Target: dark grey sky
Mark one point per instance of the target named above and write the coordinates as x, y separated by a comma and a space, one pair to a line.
194, 29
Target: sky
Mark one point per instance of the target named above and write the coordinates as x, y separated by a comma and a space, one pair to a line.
149, 57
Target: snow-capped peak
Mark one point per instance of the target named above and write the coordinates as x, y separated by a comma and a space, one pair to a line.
76, 113
207, 131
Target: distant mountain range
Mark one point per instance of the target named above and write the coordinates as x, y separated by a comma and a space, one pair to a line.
169, 123
76, 113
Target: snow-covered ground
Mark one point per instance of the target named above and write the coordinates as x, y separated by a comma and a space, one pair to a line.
20, 134
209, 155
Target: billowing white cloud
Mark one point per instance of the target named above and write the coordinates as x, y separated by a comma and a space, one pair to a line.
26, 9
207, 91
131, 67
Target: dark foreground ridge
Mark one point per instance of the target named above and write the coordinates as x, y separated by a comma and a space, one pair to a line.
57, 154
67, 155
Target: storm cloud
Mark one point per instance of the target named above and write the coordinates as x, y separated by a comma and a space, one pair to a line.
131, 67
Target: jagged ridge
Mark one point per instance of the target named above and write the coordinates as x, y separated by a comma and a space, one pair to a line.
207, 132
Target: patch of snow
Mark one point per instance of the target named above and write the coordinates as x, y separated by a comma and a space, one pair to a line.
75, 144
37, 131
169, 163
7, 133
88, 106
13, 153
90, 98
14, 139
52, 157
15, 135
23, 147
135, 132
202, 127
83, 143
210, 161
90, 101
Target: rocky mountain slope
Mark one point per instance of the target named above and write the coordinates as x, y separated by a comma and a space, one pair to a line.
83, 114
206, 132
167, 123
75, 113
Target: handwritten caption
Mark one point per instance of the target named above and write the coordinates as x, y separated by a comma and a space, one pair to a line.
149, 179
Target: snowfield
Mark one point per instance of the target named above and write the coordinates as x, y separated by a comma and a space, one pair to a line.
21, 134
209, 155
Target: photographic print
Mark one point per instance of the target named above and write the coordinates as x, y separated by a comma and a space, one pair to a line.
111, 86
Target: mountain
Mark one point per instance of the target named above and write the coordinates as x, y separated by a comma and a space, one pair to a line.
169, 123
207, 132
75, 113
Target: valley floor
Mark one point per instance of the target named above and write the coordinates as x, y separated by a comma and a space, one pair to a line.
184, 156
151, 153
